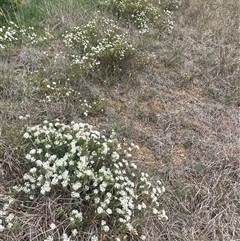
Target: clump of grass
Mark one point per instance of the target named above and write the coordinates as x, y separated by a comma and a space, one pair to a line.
15, 87
8, 7
92, 179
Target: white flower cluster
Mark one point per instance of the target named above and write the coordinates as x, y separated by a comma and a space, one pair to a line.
26, 117
12, 34
64, 236
80, 164
141, 12
170, 21
6, 217
8, 34
100, 45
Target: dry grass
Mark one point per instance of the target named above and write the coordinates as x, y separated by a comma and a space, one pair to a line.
183, 113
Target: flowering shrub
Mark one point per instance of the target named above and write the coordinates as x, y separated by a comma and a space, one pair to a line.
12, 35
141, 13
97, 185
99, 47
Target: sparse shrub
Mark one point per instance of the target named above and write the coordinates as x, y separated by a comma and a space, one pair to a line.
61, 91
96, 185
100, 48
140, 13
56, 90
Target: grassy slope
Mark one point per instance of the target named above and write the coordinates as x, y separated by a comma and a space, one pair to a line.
183, 113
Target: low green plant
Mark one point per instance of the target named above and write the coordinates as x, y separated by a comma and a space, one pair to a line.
92, 178
99, 48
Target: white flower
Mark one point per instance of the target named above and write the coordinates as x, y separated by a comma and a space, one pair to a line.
9, 218
163, 215
143, 205
33, 151
33, 170
45, 188
154, 198
2, 228
31, 197
52, 226
121, 220
26, 135
49, 238
47, 146
163, 189
75, 195
129, 226
103, 187
39, 163
28, 156
74, 232
100, 210
9, 225
143, 237
109, 195
76, 186
106, 228
65, 174
65, 237
115, 156
109, 211
64, 183
155, 211
3, 213
95, 191
133, 165
94, 238
96, 200
69, 136
105, 149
